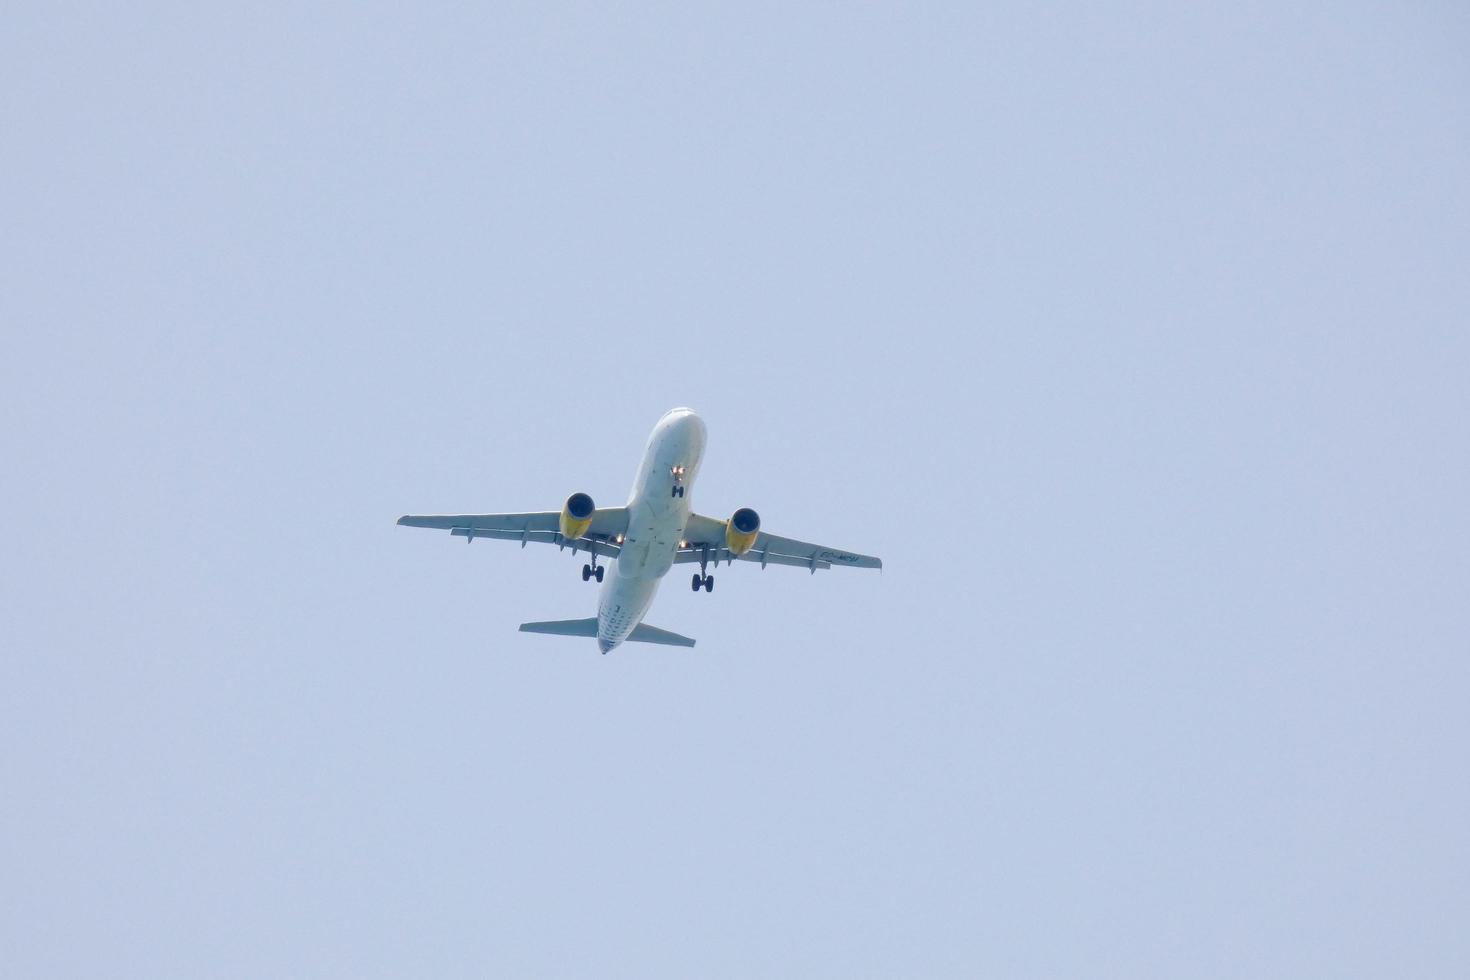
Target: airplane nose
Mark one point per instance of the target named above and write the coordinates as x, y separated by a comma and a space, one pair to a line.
689, 420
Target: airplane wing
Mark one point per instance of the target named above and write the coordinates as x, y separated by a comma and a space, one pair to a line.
609, 524
705, 537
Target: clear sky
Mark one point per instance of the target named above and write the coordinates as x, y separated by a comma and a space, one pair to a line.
1134, 340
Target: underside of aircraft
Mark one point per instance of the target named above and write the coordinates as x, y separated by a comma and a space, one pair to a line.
645, 538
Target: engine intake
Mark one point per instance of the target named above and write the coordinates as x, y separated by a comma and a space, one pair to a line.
741, 531
576, 516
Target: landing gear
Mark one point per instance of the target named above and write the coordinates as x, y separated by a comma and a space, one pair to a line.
700, 577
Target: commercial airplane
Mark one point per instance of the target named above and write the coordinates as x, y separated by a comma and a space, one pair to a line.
655, 531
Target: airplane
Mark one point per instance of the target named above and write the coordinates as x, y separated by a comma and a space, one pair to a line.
653, 532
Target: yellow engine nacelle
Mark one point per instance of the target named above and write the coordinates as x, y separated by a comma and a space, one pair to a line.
576, 516
741, 531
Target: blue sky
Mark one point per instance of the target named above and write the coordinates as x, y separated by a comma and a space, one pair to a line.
1132, 338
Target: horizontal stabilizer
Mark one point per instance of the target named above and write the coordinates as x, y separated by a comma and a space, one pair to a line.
643, 633
563, 627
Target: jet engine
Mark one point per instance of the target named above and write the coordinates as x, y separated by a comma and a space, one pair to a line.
741, 531
576, 516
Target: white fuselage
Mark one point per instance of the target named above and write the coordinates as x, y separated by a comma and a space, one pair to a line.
656, 520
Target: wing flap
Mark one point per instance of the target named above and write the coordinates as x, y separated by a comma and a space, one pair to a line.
716, 556
604, 549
